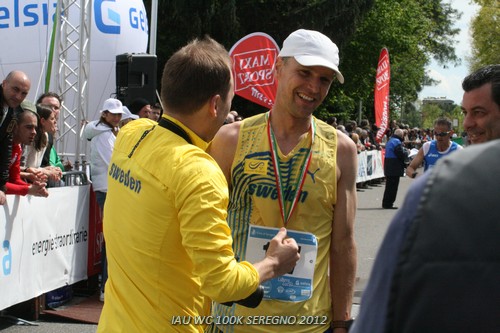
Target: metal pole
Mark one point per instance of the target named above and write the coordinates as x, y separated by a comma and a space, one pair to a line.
153, 28
360, 110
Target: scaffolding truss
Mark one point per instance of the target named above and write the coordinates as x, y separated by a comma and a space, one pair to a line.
73, 75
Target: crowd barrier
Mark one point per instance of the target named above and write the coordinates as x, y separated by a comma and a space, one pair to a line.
48, 243
370, 165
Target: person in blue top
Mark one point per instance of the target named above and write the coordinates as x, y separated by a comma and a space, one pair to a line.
394, 167
432, 151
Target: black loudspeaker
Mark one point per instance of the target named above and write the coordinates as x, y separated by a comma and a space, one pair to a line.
135, 77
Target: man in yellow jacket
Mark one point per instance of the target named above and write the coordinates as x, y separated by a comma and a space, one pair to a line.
168, 244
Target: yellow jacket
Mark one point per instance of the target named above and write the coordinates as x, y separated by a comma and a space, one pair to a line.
167, 241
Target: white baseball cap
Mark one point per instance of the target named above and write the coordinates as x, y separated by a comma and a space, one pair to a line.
112, 105
312, 48
128, 115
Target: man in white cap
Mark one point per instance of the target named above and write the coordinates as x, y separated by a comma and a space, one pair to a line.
102, 136
287, 168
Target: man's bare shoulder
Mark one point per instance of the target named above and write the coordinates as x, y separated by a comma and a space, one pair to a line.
345, 143
227, 136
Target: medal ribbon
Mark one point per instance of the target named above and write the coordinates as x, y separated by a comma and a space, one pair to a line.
286, 214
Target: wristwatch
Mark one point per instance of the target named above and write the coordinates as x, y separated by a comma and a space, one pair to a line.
342, 324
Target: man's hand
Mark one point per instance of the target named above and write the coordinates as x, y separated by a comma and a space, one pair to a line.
281, 257
38, 189
33, 175
53, 173
3, 199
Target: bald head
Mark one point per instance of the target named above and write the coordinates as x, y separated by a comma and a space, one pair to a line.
16, 87
399, 132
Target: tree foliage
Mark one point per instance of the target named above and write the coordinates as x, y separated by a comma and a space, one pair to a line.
229, 20
486, 35
412, 30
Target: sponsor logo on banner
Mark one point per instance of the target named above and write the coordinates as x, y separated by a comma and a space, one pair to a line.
254, 58
17, 13
7, 258
104, 13
382, 85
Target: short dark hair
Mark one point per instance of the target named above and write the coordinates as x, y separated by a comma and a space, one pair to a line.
49, 94
443, 121
43, 111
194, 74
484, 75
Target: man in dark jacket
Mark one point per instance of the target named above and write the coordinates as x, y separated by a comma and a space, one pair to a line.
394, 167
13, 91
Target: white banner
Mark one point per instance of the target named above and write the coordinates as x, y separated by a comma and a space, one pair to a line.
369, 165
117, 27
44, 243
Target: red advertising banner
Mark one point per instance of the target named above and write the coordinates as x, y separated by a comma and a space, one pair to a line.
254, 57
382, 84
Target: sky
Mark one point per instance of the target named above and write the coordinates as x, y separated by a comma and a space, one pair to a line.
450, 85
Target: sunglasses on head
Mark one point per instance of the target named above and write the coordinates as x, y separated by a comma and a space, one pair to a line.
442, 134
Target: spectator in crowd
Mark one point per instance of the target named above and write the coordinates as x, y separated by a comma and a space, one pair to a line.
232, 116
372, 135
364, 124
396, 156
53, 100
140, 107
290, 139
102, 135
24, 134
430, 243
480, 104
393, 126
359, 146
351, 126
127, 117
427, 135
332, 121
13, 91
432, 151
155, 112
179, 256
364, 139
342, 129
50, 157
33, 154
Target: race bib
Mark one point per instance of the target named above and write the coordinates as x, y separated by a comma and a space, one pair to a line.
296, 286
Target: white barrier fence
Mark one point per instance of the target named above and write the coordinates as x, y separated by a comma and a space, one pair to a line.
370, 165
44, 243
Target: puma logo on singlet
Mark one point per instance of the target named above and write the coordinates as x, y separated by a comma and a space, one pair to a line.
313, 174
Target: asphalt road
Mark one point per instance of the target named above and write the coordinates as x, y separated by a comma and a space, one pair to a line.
371, 224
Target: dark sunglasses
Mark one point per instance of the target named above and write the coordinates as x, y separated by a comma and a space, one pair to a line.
442, 134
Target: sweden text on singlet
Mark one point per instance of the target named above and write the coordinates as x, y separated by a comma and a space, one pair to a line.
124, 178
